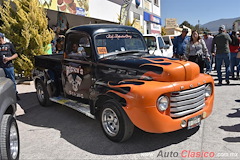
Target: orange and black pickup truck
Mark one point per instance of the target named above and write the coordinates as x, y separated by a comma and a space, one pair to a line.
107, 73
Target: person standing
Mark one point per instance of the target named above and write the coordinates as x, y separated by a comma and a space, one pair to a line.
234, 46
7, 54
208, 41
197, 51
59, 45
222, 41
180, 43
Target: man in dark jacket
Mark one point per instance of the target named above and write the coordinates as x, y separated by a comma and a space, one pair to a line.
222, 40
7, 54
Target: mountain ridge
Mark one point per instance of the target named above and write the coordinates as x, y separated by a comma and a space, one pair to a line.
214, 25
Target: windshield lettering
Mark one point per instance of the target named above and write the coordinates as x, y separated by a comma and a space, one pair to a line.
117, 36
117, 43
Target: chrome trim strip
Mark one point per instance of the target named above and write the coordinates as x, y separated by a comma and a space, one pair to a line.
187, 107
186, 102
189, 91
190, 96
180, 114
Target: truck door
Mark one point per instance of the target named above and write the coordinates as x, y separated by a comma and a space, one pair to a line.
77, 66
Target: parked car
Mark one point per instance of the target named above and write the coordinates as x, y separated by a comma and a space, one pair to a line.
157, 46
113, 78
9, 135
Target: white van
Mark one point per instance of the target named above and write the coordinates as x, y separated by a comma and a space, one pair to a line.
157, 46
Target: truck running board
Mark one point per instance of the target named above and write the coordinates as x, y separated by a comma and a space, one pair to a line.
80, 107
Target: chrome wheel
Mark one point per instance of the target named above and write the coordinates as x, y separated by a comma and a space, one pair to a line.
14, 141
110, 122
9, 138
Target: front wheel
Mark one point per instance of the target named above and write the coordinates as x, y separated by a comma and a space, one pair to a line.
9, 138
115, 122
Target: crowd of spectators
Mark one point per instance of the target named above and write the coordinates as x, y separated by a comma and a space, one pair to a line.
209, 50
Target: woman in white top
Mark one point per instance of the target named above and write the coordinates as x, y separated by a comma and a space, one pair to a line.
197, 51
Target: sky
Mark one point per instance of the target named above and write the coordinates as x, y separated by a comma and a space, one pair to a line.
202, 10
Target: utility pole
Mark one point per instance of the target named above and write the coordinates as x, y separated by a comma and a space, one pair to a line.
198, 26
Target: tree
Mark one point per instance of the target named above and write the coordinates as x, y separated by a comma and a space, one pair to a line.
25, 24
185, 23
163, 31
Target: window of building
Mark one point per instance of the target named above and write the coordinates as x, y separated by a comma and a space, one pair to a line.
136, 16
156, 2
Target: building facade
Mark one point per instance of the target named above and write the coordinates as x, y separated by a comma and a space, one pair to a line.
142, 14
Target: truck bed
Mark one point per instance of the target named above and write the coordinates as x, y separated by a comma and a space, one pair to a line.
52, 62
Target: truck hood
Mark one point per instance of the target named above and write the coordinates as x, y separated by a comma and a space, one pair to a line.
156, 68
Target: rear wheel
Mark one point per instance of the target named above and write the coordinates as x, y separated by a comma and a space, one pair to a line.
9, 138
115, 122
42, 94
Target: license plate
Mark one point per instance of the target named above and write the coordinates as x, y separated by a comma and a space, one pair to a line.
194, 122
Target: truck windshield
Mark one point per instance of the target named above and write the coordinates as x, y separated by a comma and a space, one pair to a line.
114, 43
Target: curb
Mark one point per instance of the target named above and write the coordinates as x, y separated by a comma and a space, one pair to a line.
24, 81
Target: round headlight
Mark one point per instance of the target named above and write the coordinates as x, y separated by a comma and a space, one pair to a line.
162, 103
208, 90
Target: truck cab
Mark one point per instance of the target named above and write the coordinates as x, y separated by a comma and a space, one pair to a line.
107, 73
157, 46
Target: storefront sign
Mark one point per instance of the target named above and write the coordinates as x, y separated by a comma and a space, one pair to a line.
155, 28
171, 22
155, 19
151, 18
78, 7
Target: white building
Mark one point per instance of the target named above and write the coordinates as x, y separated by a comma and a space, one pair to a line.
151, 14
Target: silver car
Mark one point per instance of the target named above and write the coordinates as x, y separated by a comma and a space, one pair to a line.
9, 135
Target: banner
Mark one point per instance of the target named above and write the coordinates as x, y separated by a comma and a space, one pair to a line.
77, 7
124, 11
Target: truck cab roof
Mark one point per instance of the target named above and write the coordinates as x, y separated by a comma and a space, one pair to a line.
94, 29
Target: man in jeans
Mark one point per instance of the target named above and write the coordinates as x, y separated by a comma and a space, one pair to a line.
180, 43
222, 40
208, 41
7, 54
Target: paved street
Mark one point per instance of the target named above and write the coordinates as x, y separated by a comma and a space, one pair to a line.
58, 132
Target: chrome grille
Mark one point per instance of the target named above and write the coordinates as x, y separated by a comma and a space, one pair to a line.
186, 102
